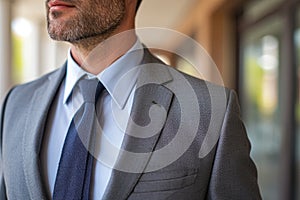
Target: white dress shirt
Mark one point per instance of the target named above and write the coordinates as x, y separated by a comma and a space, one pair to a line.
68, 100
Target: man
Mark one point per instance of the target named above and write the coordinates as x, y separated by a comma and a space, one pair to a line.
38, 119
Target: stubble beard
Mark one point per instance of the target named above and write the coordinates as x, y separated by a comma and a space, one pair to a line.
88, 24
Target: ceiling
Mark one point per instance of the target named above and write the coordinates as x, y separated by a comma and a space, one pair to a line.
161, 13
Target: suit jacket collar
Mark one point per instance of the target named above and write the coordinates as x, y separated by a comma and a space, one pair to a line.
150, 92
33, 132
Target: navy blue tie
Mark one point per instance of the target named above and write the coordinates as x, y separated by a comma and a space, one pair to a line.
75, 167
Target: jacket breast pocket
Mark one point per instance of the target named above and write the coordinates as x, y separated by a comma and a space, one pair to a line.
166, 180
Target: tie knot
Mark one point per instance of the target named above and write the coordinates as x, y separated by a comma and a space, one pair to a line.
90, 89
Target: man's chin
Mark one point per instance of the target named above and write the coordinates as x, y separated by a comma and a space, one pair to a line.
57, 36
57, 31
64, 37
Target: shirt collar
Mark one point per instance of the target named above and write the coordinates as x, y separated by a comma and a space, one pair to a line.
122, 69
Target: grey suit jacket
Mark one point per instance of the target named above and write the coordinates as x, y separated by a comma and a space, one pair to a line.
214, 167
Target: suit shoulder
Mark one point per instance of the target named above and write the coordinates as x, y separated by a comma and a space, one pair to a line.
30, 87
200, 84
37, 82
24, 92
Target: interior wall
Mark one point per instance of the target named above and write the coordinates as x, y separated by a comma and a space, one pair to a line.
213, 25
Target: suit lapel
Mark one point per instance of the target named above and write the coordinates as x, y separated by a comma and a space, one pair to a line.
128, 169
33, 132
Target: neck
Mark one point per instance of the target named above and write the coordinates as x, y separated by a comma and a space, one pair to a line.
97, 53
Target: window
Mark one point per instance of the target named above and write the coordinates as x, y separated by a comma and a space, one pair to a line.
269, 42
260, 102
297, 42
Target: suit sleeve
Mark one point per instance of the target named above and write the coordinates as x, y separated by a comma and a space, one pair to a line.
2, 182
234, 175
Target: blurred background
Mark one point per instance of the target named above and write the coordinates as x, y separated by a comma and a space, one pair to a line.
254, 43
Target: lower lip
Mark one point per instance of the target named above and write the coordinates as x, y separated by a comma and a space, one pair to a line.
60, 8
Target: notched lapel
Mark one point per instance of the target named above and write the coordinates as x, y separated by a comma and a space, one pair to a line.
33, 132
138, 150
